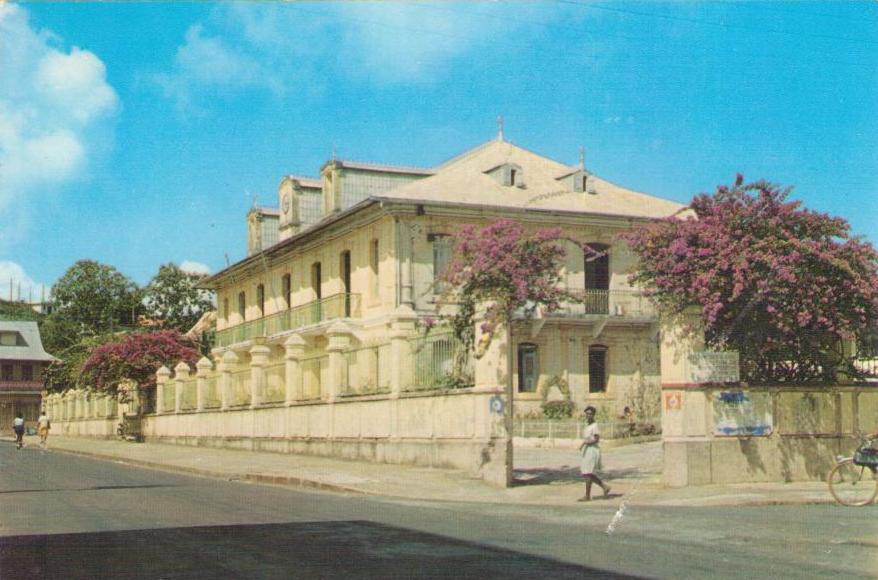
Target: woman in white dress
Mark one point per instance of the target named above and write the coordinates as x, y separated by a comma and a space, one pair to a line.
591, 455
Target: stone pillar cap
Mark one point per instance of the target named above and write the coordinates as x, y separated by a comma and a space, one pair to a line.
230, 357
182, 366
163, 371
259, 348
204, 363
294, 340
339, 328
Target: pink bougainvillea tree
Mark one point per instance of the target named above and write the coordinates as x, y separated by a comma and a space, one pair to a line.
508, 268
783, 285
136, 357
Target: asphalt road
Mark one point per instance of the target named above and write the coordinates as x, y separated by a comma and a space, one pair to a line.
70, 517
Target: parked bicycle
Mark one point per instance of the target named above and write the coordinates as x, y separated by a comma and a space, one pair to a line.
854, 480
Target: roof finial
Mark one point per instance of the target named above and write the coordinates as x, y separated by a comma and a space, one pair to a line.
582, 157
500, 128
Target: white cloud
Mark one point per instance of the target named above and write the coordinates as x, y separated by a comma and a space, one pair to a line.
15, 283
207, 63
76, 83
51, 103
298, 48
194, 267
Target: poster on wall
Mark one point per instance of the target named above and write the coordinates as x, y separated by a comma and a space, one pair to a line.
742, 413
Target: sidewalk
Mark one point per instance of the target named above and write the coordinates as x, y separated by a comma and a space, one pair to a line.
545, 476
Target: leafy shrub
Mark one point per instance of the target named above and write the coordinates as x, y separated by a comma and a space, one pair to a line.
558, 409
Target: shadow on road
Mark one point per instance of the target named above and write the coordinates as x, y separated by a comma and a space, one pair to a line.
341, 549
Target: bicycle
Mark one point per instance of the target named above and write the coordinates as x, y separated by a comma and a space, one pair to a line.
854, 480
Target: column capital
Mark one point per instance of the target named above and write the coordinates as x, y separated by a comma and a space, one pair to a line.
294, 347
203, 366
259, 355
182, 370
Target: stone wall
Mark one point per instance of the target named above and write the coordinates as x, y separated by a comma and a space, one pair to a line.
777, 433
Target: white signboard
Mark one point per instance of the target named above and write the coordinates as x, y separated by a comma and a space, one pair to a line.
742, 414
713, 368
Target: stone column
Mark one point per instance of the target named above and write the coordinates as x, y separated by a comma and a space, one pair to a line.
295, 351
401, 329
258, 361
339, 335
203, 368
181, 375
228, 363
686, 443
409, 233
162, 376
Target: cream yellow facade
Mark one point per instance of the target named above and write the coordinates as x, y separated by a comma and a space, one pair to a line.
370, 259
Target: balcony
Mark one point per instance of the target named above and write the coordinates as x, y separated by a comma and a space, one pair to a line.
331, 308
623, 303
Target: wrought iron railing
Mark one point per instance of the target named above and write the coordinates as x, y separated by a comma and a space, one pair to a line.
368, 370
608, 302
314, 371
439, 361
331, 308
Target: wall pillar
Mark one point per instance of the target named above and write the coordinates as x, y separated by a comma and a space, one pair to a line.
339, 335
181, 375
203, 368
294, 347
686, 443
401, 330
258, 361
162, 376
228, 363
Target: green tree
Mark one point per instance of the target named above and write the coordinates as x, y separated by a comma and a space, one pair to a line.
172, 297
96, 298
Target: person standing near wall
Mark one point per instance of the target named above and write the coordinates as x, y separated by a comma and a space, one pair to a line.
18, 427
43, 426
591, 455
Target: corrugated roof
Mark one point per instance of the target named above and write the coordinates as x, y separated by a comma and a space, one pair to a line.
380, 167
29, 331
463, 180
309, 182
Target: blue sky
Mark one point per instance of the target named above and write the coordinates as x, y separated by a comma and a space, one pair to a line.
137, 134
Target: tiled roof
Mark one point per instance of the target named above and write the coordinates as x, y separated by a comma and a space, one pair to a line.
463, 180
31, 335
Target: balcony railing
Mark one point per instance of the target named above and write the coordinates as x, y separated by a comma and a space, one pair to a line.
331, 308
608, 302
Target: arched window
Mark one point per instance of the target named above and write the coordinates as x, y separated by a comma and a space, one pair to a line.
260, 299
242, 306
528, 367
597, 369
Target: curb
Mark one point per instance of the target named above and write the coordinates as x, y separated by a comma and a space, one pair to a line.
285, 480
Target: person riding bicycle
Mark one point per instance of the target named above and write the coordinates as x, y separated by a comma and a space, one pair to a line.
18, 428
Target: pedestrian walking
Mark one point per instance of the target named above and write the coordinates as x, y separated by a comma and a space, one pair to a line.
18, 427
43, 426
591, 455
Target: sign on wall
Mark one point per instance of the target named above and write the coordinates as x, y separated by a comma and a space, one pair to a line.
742, 413
713, 367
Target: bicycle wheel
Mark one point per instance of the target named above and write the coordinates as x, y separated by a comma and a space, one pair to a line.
853, 485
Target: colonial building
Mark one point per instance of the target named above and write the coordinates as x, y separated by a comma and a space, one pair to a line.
362, 244
22, 360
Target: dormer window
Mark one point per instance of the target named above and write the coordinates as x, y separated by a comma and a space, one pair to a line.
576, 181
508, 175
